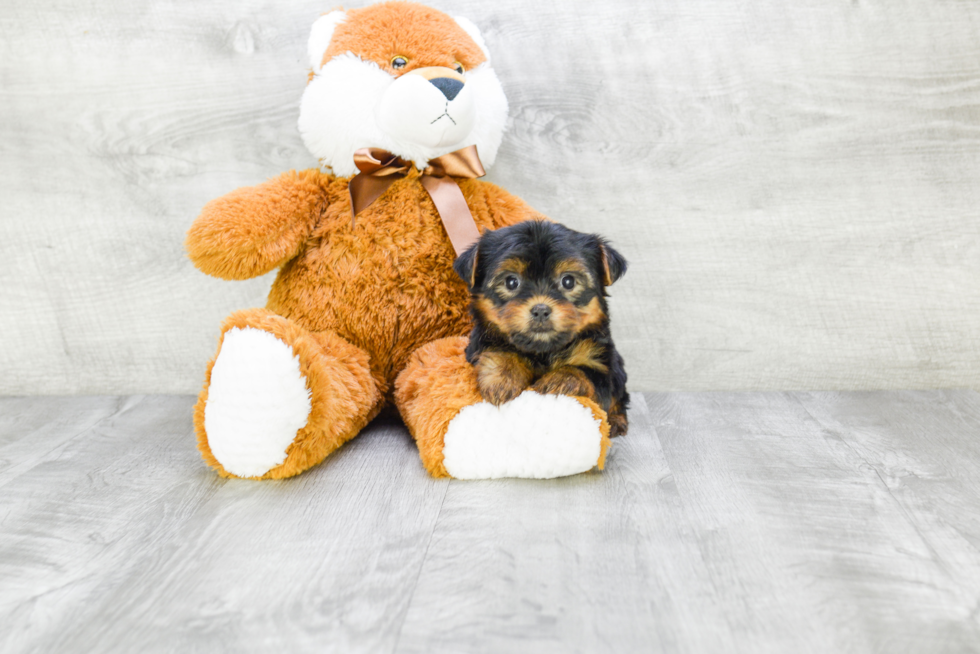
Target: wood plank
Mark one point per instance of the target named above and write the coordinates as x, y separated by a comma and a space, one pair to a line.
793, 183
923, 446
808, 547
600, 562
33, 427
764, 522
125, 542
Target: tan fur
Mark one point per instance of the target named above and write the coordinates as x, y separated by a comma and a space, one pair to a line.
618, 423
424, 36
514, 317
565, 381
512, 265
384, 288
489, 311
571, 265
361, 306
591, 314
586, 354
607, 278
436, 384
502, 376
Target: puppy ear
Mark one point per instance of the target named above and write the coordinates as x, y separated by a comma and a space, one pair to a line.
320, 36
467, 263
613, 264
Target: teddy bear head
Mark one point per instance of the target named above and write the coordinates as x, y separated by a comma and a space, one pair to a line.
401, 77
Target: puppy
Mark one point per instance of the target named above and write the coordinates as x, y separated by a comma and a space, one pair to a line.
541, 321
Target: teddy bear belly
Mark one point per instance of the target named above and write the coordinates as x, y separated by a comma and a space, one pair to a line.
387, 311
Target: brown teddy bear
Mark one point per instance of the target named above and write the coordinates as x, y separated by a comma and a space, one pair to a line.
403, 110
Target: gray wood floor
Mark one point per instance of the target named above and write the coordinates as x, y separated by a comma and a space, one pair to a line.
796, 522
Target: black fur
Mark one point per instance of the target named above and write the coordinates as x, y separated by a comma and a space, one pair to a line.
542, 246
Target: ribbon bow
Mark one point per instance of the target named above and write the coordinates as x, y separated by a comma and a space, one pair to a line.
380, 169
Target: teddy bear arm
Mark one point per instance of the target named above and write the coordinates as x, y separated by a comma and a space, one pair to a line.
255, 229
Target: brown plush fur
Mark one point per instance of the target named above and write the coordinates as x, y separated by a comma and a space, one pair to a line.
344, 395
421, 35
436, 384
255, 229
346, 299
359, 305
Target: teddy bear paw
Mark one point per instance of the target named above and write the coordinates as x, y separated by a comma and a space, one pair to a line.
257, 400
533, 436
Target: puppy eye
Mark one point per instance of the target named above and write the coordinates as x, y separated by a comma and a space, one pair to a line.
568, 282
398, 62
512, 283
458, 67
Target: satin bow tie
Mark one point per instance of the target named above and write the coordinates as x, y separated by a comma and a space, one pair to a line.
380, 169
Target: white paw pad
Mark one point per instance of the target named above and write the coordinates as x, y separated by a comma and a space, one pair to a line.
257, 401
533, 436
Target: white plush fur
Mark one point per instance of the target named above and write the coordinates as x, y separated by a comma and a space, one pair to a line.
351, 104
474, 33
533, 436
320, 36
413, 113
257, 401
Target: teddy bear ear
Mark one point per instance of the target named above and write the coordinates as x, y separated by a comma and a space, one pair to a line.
320, 36
474, 33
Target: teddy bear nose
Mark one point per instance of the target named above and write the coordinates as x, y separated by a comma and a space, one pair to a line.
449, 87
540, 311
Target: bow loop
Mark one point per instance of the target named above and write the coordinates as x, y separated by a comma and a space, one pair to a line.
379, 169
463, 163
375, 161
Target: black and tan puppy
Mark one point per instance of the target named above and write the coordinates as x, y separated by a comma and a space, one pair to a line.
541, 321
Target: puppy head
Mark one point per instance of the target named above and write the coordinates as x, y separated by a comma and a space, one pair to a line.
401, 77
539, 284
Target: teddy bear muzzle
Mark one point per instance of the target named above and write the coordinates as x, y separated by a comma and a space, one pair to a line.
431, 107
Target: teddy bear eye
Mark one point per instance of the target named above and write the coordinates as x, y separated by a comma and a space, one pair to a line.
568, 282
512, 282
398, 62
458, 67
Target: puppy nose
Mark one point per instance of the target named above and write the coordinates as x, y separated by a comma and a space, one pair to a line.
449, 87
540, 311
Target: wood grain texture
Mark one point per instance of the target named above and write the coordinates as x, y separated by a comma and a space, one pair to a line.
124, 541
600, 562
724, 522
795, 184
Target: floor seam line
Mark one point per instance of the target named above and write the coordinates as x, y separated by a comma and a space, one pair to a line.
418, 576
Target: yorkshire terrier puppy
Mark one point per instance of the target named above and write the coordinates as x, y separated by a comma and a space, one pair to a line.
541, 321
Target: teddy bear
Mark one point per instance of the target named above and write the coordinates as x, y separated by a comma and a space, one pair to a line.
404, 112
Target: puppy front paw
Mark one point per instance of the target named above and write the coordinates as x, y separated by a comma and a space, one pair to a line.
565, 381
502, 376
500, 392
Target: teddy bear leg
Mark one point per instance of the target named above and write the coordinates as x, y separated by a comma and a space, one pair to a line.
459, 435
278, 399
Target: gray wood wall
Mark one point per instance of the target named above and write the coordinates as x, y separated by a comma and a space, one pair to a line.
794, 183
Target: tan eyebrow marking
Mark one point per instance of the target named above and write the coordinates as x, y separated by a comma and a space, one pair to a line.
512, 265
